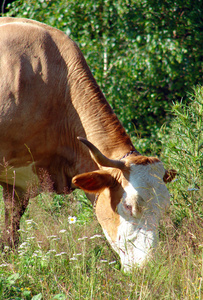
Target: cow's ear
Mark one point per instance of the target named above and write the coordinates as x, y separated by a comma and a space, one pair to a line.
93, 182
169, 175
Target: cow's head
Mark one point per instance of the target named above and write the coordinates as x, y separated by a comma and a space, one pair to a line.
130, 197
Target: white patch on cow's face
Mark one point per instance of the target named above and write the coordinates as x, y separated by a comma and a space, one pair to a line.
140, 209
20, 177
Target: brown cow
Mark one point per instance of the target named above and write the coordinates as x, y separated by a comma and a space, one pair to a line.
48, 97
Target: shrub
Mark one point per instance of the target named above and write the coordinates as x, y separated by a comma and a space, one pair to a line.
183, 149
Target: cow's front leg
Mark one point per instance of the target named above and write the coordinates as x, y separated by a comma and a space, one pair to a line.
15, 201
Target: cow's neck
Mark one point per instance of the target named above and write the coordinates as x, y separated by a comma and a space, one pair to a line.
100, 124
103, 129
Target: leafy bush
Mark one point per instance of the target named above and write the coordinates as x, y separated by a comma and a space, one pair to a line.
183, 148
144, 54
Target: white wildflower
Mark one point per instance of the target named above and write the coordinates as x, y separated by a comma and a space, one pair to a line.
52, 236
72, 220
59, 254
73, 258
62, 231
83, 238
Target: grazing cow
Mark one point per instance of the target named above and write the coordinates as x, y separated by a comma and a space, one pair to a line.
48, 97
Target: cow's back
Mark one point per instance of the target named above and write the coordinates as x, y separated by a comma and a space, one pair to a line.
30, 61
33, 77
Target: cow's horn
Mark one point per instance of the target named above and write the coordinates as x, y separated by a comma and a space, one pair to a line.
100, 158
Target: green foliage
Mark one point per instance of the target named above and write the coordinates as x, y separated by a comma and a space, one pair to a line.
183, 148
144, 54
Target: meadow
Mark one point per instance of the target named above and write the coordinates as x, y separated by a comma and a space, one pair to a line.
63, 253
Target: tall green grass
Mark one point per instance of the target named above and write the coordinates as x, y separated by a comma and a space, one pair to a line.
60, 257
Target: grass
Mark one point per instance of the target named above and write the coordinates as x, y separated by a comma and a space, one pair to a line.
59, 259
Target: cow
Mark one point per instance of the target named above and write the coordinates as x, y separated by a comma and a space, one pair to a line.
55, 120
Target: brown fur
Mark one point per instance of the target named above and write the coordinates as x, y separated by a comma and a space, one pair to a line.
141, 160
48, 97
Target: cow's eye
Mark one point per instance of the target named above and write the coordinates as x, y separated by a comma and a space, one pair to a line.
128, 207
